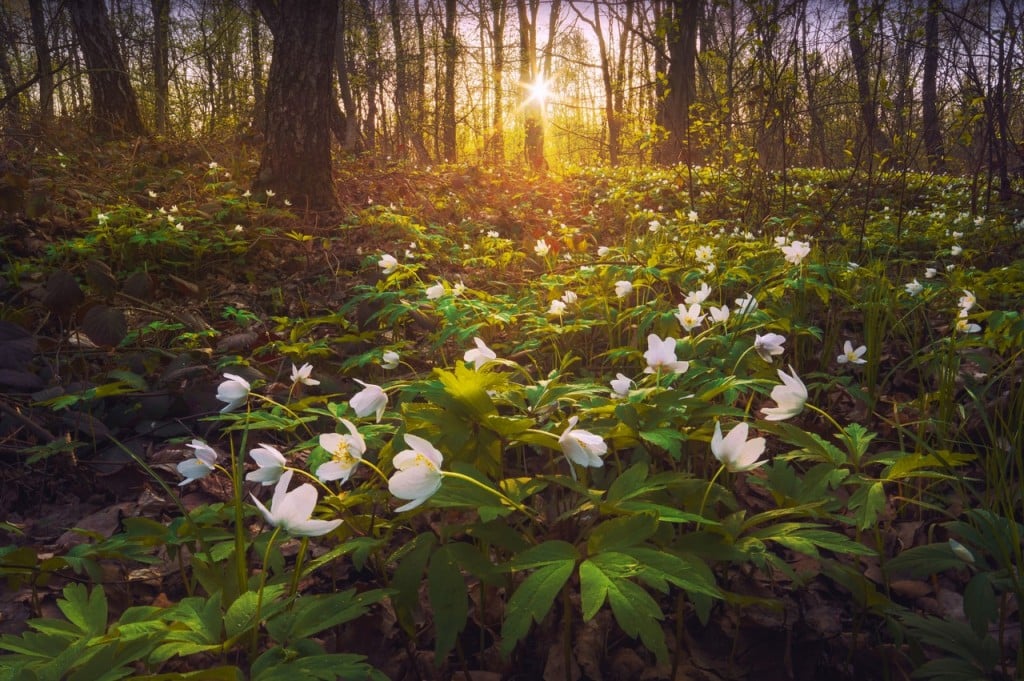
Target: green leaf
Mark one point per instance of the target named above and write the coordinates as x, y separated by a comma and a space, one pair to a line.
659, 567
607, 575
447, 591
86, 611
242, 614
980, 604
222, 673
409, 573
532, 600
667, 438
551, 551
868, 501
629, 483
618, 533
312, 614
922, 561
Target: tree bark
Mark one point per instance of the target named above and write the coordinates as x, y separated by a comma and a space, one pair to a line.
115, 110
533, 145
451, 53
674, 111
352, 141
496, 140
161, 60
296, 159
44, 65
929, 90
865, 94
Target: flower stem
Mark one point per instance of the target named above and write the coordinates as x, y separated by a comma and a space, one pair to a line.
515, 504
707, 493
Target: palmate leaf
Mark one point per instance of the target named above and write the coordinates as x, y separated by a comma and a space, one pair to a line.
606, 575
86, 611
310, 615
447, 591
531, 602
280, 664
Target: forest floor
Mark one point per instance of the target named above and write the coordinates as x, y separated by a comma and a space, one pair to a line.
67, 480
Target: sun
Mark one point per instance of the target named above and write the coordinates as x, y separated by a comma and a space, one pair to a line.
539, 91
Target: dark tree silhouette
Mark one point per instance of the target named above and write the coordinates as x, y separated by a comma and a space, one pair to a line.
681, 21
115, 110
296, 159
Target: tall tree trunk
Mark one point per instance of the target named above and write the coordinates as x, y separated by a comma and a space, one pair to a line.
115, 110
372, 73
533, 145
161, 60
451, 53
674, 107
44, 65
256, 65
402, 114
296, 159
352, 141
929, 90
496, 140
865, 92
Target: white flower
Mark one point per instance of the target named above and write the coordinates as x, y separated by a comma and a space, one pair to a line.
480, 355
287, 202
152, 194
690, 318
654, 225
418, 472
213, 165
541, 248
458, 288
914, 287
950, 267
769, 345
852, 356
557, 307
719, 314
370, 400
271, 464
180, 227
582, 447
602, 251
246, 194
200, 465
346, 452
234, 391
390, 359
239, 228
930, 272
734, 451
851, 266
796, 251
955, 251
746, 305
570, 298
270, 193
387, 263
623, 288
967, 300
102, 218
436, 291
965, 326
780, 241
620, 385
790, 396
302, 374
692, 216
292, 511
704, 254
661, 355
961, 551
493, 233
699, 296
